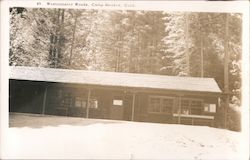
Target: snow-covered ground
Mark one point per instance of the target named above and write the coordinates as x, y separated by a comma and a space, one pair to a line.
49, 137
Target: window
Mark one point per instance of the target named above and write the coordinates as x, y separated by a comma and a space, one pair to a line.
117, 102
210, 108
93, 103
155, 105
191, 106
160, 104
167, 105
196, 107
66, 99
78, 102
185, 109
59, 93
82, 102
206, 107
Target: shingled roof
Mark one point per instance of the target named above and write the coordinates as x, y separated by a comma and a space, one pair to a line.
115, 79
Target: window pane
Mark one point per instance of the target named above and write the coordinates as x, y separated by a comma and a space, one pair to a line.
196, 111
59, 93
206, 107
195, 104
185, 107
67, 101
212, 108
167, 105
78, 102
191, 106
84, 104
184, 103
93, 103
154, 105
196, 107
185, 110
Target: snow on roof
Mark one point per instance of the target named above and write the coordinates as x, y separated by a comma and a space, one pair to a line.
115, 79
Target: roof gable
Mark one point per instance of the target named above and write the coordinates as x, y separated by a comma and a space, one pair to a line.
115, 79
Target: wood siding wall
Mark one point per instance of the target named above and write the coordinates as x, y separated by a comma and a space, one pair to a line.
28, 96
143, 114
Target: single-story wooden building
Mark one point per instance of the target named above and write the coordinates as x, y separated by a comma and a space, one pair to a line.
113, 95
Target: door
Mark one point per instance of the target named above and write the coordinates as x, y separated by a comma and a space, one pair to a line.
117, 109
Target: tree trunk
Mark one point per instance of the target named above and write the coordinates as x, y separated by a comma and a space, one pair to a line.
187, 46
60, 37
73, 41
226, 76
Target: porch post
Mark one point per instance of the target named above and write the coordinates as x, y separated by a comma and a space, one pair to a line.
179, 111
88, 103
133, 107
44, 99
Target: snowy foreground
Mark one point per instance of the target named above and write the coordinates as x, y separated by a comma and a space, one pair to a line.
33, 136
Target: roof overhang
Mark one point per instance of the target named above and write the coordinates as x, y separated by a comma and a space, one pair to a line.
116, 79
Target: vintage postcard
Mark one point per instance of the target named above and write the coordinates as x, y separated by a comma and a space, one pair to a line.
124, 80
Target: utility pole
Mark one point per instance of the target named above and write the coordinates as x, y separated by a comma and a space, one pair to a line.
226, 76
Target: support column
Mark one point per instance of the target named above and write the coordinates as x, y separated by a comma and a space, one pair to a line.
133, 108
179, 111
44, 100
88, 103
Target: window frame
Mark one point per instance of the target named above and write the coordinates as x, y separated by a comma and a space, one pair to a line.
191, 107
209, 108
161, 104
92, 102
81, 99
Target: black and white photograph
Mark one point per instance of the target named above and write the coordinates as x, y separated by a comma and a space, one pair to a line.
87, 82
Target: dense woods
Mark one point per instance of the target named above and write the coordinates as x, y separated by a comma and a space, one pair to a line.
153, 42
